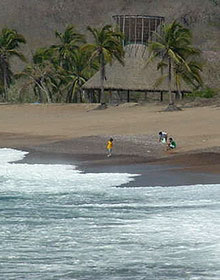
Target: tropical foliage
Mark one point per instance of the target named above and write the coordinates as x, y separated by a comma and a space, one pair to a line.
205, 93
69, 42
10, 42
107, 46
80, 70
175, 54
57, 73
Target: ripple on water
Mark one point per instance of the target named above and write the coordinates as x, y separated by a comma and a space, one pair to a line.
59, 223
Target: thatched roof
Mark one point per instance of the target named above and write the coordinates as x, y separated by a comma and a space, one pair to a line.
135, 75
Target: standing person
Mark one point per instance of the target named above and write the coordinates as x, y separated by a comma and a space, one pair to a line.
171, 144
109, 147
163, 137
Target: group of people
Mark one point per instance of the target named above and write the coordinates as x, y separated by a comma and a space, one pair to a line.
163, 138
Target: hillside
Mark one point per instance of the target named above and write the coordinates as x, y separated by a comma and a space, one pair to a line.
37, 20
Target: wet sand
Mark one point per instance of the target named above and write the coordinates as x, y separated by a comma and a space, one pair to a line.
77, 134
171, 170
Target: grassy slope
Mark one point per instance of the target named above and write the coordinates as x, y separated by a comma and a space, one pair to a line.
37, 20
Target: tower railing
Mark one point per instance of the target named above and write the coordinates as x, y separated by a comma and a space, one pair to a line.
138, 29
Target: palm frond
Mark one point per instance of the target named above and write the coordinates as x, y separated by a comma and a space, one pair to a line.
159, 81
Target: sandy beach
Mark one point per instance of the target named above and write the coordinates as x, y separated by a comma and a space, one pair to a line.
77, 134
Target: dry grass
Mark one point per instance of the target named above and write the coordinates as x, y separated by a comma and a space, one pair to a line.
38, 20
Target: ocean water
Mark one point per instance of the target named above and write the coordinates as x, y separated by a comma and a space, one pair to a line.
59, 223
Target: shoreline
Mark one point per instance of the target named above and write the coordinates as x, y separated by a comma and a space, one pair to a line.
77, 134
171, 169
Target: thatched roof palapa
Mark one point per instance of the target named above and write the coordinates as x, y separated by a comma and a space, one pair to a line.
135, 75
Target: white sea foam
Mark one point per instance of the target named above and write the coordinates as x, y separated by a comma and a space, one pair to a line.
52, 177
10, 155
56, 220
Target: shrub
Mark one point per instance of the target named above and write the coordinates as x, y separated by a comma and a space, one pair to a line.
205, 93
16, 95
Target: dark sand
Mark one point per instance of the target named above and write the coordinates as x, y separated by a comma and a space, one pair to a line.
155, 166
77, 134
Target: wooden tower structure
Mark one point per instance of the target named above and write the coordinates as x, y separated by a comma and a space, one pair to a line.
138, 29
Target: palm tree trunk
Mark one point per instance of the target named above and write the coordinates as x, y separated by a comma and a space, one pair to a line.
3, 75
5, 81
80, 91
47, 94
5, 87
43, 88
179, 92
38, 93
69, 95
80, 95
50, 93
171, 102
102, 78
74, 92
178, 86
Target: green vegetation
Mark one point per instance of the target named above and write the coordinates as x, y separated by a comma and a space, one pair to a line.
107, 45
175, 54
10, 42
57, 73
204, 93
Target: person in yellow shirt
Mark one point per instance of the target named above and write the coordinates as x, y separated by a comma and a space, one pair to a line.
109, 147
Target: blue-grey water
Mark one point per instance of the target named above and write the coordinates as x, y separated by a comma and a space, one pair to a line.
59, 223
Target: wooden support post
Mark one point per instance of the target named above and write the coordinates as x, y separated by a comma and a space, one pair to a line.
160, 27
93, 99
155, 25
89, 92
129, 31
110, 97
119, 95
128, 96
161, 96
145, 96
142, 31
99, 96
135, 30
123, 30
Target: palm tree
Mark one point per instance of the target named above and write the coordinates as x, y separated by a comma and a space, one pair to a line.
106, 47
82, 68
41, 74
70, 40
10, 42
44, 54
173, 47
40, 77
